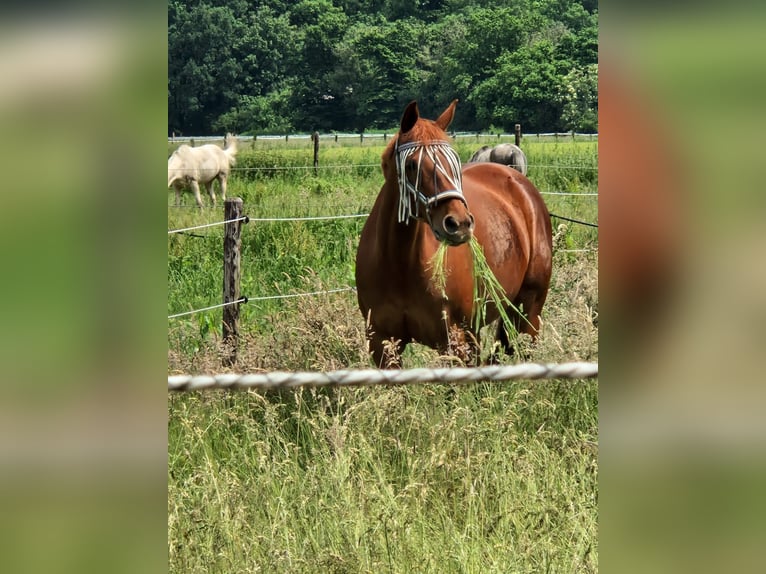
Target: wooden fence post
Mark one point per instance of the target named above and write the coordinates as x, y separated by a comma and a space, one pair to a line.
315, 137
232, 244
517, 134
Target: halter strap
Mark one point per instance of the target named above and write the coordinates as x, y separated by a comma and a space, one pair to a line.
410, 196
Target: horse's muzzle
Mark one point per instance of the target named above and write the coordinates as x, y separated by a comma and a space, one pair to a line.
454, 231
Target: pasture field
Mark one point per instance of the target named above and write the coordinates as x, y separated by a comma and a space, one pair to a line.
488, 477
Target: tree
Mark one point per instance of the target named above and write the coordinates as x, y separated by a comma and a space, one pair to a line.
376, 72
579, 94
259, 65
202, 74
526, 89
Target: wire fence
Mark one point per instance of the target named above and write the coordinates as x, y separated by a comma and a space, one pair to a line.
185, 229
248, 219
369, 377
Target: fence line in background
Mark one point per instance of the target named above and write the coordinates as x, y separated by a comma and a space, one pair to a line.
367, 377
384, 136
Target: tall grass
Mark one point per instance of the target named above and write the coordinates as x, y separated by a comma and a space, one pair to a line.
489, 477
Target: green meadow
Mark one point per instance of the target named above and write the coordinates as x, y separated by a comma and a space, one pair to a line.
486, 477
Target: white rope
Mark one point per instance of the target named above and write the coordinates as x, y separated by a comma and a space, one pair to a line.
566, 193
347, 378
290, 295
241, 300
317, 218
250, 299
207, 225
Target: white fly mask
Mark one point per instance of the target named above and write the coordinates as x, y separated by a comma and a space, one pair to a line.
446, 162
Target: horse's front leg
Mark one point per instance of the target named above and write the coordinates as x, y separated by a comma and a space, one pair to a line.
195, 188
463, 345
386, 351
210, 192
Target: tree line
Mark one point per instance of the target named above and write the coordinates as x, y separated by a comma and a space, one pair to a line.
281, 66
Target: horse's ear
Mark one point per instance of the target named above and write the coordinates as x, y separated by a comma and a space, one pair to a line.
444, 120
410, 116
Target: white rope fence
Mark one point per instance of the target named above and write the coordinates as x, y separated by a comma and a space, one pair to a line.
244, 218
263, 298
368, 377
291, 295
242, 300
316, 218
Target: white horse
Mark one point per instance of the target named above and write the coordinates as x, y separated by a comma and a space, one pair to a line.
505, 153
205, 164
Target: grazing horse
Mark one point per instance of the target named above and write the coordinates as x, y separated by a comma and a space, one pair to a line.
205, 164
425, 200
505, 153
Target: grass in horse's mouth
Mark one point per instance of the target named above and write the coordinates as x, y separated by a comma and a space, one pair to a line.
486, 287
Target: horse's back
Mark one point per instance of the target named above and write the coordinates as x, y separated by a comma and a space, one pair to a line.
512, 220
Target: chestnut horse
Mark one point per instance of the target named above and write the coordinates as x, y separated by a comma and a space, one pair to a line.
425, 200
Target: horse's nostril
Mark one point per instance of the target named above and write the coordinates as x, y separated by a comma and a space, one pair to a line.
451, 225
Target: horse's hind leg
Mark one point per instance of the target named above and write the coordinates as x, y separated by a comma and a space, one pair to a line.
222, 182
531, 305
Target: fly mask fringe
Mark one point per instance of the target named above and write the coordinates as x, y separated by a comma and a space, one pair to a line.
410, 195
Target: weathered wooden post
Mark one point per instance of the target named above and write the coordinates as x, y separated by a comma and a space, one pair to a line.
191, 142
232, 244
517, 134
315, 138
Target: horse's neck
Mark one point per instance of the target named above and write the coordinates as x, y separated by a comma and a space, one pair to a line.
406, 244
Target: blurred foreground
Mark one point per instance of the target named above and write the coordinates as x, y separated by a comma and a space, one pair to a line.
683, 288
83, 416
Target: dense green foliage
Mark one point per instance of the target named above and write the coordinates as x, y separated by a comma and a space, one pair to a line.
352, 65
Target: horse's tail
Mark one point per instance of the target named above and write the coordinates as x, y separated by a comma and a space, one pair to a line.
231, 148
520, 159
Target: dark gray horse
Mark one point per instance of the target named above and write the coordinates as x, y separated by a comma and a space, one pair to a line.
506, 153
